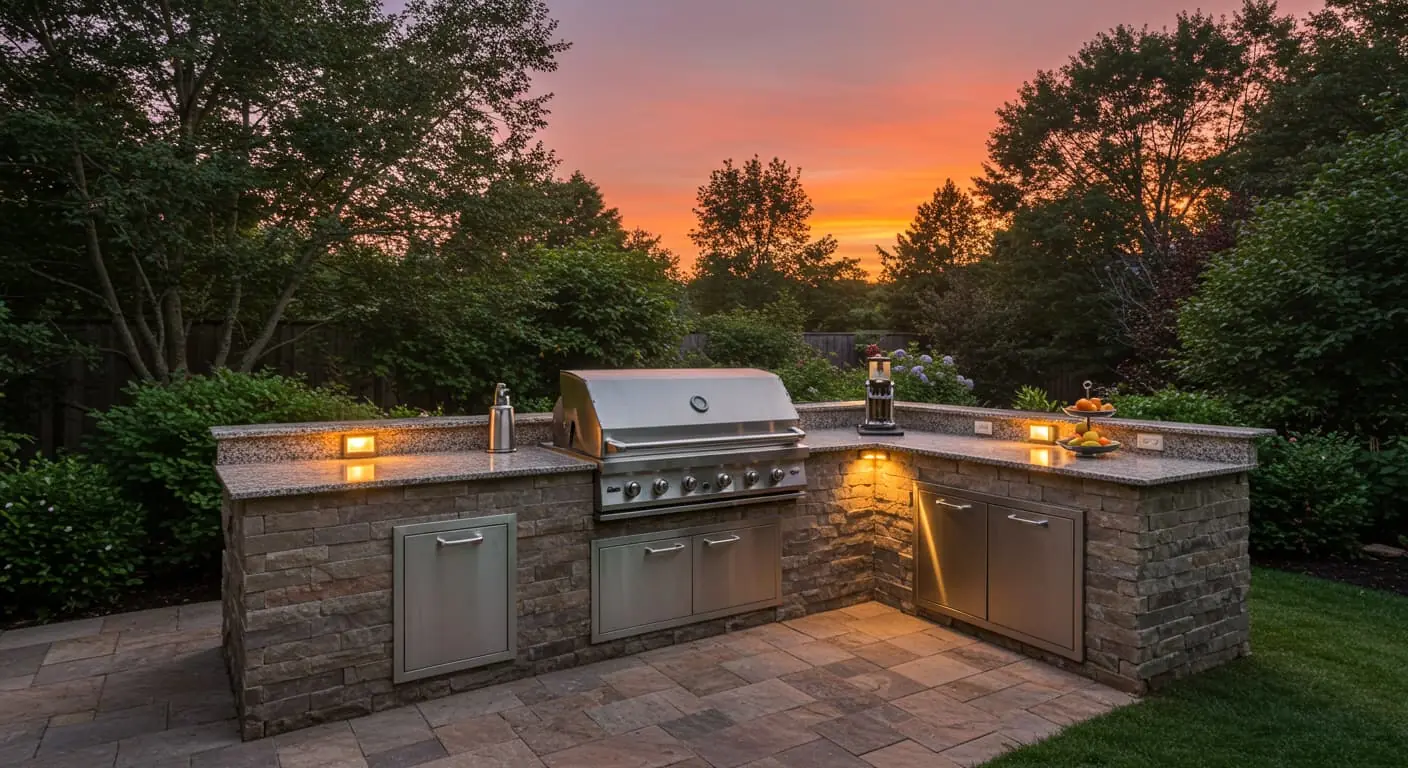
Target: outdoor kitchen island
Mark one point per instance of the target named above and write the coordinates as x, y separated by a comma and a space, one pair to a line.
1131, 569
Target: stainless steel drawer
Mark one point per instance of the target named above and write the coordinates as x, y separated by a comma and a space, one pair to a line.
735, 567
1034, 574
640, 584
951, 554
454, 595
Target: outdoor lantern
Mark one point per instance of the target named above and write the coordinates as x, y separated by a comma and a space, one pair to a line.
358, 446
359, 473
1041, 433
879, 398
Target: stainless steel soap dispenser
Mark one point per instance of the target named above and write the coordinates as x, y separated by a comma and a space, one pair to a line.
501, 432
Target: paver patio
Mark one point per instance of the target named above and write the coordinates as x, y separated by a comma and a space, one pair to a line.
862, 686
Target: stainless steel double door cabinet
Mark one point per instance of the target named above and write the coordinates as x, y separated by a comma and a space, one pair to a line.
454, 595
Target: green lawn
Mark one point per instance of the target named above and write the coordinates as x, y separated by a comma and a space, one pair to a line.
1326, 685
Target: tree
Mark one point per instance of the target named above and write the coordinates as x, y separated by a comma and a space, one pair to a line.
174, 162
948, 230
1304, 323
755, 243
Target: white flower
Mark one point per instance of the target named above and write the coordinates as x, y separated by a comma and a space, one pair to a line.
68, 529
9, 504
51, 508
108, 547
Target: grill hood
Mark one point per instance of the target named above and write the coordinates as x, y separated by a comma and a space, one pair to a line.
606, 413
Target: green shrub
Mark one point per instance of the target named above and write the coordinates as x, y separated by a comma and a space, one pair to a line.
755, 338
68, 540
1387, 471
814, 379
921, 377
1173, 404
1309, 497
160, 450
1034, 399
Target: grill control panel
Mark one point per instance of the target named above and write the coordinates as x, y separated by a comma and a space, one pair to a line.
624, 491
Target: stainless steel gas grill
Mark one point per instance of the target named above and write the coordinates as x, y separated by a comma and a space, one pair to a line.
671, 440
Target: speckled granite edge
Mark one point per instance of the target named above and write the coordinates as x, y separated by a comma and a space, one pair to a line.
394, 437
299, 478
325, 427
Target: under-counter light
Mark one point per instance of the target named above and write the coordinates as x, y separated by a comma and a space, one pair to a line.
1041, 433
875, 455
359, 473
358, 446
1040, 457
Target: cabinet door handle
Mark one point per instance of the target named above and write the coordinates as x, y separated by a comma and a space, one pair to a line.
716, 542
663, 550
952, 505
1039, 523
475, 539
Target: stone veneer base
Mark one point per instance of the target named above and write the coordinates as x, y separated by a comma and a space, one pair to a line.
307, 587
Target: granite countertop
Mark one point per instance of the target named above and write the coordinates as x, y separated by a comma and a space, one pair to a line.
292, 478
1122, 467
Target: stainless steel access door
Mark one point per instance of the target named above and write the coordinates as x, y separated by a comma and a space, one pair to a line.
735, 567
1034, 574
951, 554
640, 584
454, 595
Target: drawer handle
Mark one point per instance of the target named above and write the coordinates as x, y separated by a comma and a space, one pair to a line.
475, 539
1039, 523
663, 550
954, 506
717, 542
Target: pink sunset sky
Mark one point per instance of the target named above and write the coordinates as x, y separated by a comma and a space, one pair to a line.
876, 100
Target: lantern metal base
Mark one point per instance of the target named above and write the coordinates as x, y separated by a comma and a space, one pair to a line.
879, 429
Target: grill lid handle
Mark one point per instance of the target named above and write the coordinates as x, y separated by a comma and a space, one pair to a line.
792, 433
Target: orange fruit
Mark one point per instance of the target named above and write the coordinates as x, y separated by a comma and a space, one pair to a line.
1104, 441
1085, 405
1107, 407
1095, 401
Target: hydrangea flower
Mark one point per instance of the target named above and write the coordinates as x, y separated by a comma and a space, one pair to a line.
948, 359
924, 378
968, 383
925, 359
900, 354
917, 370
899, 369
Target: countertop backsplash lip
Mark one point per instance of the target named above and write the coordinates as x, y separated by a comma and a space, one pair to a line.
363, 425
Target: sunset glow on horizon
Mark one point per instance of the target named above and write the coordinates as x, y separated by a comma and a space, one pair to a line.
877, 101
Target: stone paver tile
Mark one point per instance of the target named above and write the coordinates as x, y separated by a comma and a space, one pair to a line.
155, 620
634, 713
569, 681
199, 615
943, 737
758, 699
466, 735
330, 745
392, 728
950, 635
179, 641
1034, 671
780, 635
865, 731
984, 656
883, 654
180, 679
686, 702
886, 684
765, 666
852, 667
980, 750
101, 756
1026, 728
821, 626
888, 625
1071, 708
941, 710
106, 727
820, 652
192, 711
834, 695
42, 701
407, 755
250, 754
819, 754
936, 670
563, 733
1014, 698
693, 762
907, 754
508, 754
462, 706
698, 725
577, 702
700, 677
647, 748
22, 661
970, 688
754, 740
922, 643
81, 648
75, 670
852, 640
1108, 695
638, 681
19, 741
16, 683
868, 610
747, 645
73, 718
50, 633
152, 748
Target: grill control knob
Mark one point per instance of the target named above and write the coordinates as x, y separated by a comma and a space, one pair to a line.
776, 475
750, 477
632, 489
660, 486
725, 480
688, 483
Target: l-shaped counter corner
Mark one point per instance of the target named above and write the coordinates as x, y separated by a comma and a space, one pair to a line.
1130, 568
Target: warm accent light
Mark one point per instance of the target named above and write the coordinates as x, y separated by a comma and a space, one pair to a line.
358, 446
1041, 433
1041, 457
359, 473
875, 455
879, 367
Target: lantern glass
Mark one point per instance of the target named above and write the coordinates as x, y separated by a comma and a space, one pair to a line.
879, 368
358, 446
1041, 433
